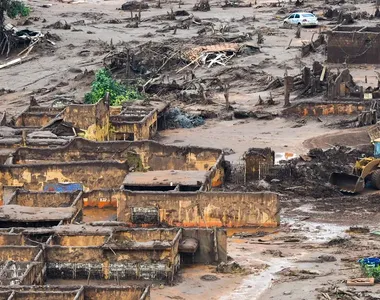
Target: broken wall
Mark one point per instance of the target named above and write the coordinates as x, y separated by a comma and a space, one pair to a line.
122, 129
258, 162
43, 199
91, 174
36, 116
152, 155
353, 45
212, 244
92, 118
203, 209
140, 254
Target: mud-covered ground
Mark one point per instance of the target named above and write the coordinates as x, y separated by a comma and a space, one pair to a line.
310, 256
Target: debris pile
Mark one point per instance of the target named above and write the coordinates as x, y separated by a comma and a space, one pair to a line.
218, 54
202, 5
176, 118
308, 175
144, 60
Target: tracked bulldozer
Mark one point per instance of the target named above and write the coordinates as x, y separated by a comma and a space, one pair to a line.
366, 169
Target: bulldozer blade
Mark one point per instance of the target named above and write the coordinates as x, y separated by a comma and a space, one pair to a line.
347, 183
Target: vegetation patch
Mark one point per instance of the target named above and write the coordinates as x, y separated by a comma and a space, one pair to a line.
118, 93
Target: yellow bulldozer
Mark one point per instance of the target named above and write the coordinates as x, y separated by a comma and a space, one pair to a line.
366, 169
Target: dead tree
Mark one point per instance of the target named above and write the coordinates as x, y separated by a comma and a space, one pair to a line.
260, 37
226, 88
261, 101
288, 82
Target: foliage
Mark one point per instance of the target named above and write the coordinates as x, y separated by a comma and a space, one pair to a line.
371, 267
118, 93
17, 8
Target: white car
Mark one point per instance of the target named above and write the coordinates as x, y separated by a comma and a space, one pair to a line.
301, 19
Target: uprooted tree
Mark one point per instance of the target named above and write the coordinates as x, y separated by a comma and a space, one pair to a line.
13, 9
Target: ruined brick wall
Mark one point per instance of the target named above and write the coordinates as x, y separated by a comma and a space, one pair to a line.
258, 162
18, 253
93, 175
36, 116
12, 239
79, 240
92, 118
323, 109
353, 47
98, 263
166, 157
151, 155
79, 150
205, 209
122, 129
147, 128
45, 199
208, 251
103, 198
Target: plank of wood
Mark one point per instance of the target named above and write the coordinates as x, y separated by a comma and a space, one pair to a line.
361, 282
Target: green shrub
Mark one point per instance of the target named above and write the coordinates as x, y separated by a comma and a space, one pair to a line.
17, 8
118, 93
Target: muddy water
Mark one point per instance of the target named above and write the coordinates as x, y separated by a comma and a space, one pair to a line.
254, 286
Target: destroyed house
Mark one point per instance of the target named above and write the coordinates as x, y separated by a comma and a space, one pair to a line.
98, 121
120, 255
137, 123
142, 165
96, 253
40, 209
353, 45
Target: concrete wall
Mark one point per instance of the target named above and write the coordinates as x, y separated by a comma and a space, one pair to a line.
92, 175
204, 209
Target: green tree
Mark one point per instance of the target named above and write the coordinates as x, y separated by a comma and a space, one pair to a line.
13, 9
118, 93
